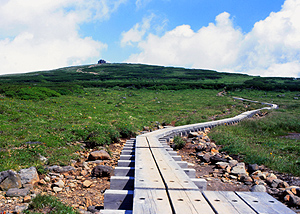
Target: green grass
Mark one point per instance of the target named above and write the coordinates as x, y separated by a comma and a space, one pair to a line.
261, 141
97, 116
50, 204
62, 107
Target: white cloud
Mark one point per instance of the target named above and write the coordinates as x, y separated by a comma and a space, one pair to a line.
272, 48
141, 3
38, 35
136, 33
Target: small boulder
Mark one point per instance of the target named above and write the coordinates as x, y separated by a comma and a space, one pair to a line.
102, 171
13, 180
60, 169
29, 176
59, 183
258, 188
15, 192
275, 183
57, 189
233, 163
252, 168
203, 157
200, 147
87, 184
99, 155
239, 169
217, 158
222, 165
193, 134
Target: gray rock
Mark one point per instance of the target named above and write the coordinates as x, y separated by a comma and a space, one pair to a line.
252, 168
258, 188
233, 163
57, 189
60, 169
193, 134
20, 209
275, 183
200, 147
13, 180
4, 175
15, 192
99, 155
222, 165
204, 157
94, 209
239, 169
102, 171
29, 176
59, 183
217, 158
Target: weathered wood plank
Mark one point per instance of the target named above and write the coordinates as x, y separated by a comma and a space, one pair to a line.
146, 172
227, 202
189, 202
262, 202
151, 201
173, 175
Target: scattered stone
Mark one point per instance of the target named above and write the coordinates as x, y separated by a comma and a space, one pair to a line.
233, 163
87, 184
217, 158
99, 155
275, 183
60, 169
222, 165
20, 209
102, 171
193, 134
239, 169
204, 157
200, 147
59, 183
4, 175
258, 188
29, 176
27, 199
252, 168
13, 180
15, 192
57, 189
47, 179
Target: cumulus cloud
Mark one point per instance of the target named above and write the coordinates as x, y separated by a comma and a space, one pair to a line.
136, 33
39, 35
272, 48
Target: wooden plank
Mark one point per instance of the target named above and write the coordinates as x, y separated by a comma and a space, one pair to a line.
146, 172
175, 178
262, 202
227, 202
141, 142
154, 142
189, 202
148, 201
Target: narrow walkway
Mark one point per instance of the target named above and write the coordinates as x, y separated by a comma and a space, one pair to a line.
162, 183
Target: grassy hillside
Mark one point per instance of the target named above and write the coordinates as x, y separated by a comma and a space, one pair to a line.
51, 113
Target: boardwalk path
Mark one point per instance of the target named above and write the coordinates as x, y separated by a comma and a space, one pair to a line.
151, 178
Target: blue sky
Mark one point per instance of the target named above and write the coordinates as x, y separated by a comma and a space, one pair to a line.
254, 37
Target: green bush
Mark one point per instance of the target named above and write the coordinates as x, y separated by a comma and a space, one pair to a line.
49, 203
178, 143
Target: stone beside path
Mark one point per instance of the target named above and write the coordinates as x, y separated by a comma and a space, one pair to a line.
228, 170
80, 185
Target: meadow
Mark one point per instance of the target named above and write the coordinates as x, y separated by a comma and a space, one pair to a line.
53, 113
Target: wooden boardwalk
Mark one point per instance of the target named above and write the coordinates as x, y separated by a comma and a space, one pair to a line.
151, 178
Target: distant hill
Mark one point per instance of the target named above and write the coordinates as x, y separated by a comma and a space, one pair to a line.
67, 80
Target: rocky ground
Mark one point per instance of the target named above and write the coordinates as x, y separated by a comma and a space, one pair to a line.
82, 184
